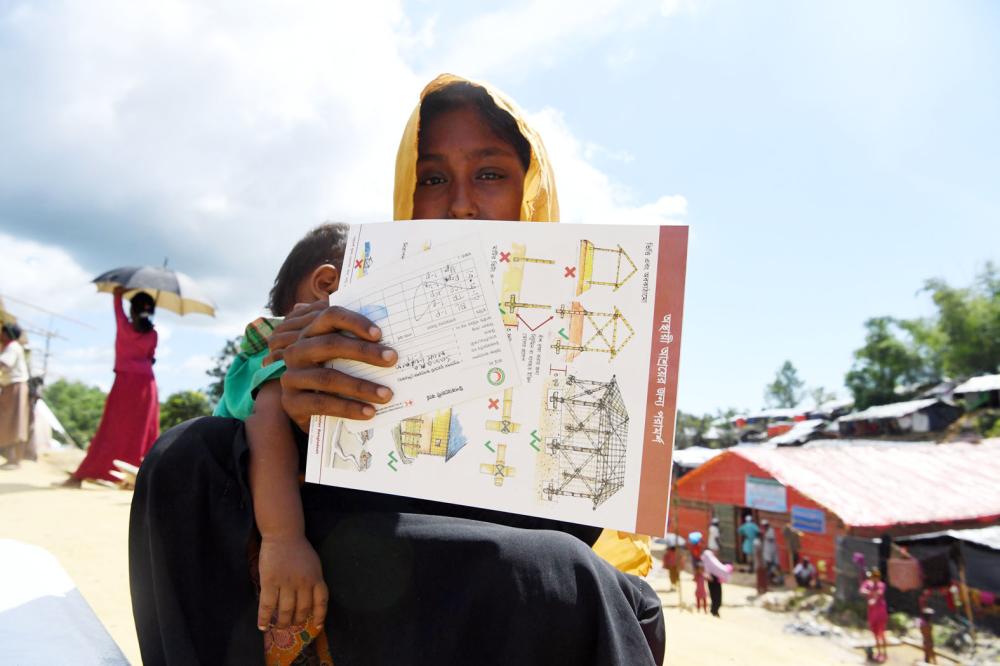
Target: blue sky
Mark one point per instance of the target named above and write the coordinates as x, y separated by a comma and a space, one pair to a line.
829, 157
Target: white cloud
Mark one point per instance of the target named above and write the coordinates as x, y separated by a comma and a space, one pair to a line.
45, 276
586, 194
217, 134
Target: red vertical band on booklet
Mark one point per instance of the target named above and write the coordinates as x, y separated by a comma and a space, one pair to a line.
661, 395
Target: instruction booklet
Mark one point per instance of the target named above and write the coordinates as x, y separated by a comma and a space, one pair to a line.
537, 368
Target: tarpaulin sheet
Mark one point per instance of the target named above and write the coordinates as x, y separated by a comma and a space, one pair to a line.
888, 485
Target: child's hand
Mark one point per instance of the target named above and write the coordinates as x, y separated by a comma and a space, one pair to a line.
292, 589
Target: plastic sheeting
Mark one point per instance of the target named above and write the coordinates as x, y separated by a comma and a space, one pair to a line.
876, 486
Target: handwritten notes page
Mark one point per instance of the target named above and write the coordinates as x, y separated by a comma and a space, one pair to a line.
437, 310
542, 371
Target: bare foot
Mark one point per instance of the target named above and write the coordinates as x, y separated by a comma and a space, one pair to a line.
71, 482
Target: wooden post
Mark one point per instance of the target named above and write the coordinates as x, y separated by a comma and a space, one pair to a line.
964, 591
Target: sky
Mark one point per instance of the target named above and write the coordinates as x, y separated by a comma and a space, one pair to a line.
829, 157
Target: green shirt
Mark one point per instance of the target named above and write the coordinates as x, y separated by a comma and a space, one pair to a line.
247, 373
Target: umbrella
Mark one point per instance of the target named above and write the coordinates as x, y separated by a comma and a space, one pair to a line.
171, 289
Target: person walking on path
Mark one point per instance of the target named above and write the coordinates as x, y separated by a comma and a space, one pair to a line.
131, 420
748, 532
873, 589
770, 550
714, 535
14, 403
700, 594
759, 566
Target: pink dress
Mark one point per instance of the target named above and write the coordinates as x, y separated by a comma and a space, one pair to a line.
131, 420
878, 611
699, 586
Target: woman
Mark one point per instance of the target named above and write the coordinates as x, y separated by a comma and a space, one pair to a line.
14, 401
410, 581
131, 420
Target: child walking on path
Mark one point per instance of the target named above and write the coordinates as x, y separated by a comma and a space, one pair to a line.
700, 592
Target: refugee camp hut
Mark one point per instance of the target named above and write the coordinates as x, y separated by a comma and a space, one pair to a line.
800, 433
980, 392
900, 418
839, 489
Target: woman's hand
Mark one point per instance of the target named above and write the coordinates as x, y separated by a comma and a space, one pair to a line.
292, 589
323, 334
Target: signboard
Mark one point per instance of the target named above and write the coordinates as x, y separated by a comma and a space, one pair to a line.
808, 520
766, 495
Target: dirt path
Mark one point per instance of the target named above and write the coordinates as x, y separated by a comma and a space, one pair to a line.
87, 531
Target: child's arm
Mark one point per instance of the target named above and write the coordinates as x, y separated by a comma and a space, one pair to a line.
291, 578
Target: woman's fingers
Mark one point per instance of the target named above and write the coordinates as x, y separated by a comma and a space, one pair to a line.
300, 405
303, 605
309, 351
286, 607
267, 605
328, 380
321, 595
336, 318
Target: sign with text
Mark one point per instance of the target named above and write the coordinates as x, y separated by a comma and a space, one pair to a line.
765, 494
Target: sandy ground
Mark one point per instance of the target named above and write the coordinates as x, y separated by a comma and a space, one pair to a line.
87, 531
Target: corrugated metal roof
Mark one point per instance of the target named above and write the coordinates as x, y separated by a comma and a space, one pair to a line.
799, 432
695, 456
776, 413
982, 536
869, 486
976, 384
893, 410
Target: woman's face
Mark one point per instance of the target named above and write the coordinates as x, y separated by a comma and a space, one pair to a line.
465, 171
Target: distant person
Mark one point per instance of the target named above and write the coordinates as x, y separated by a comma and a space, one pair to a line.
873, 589
714, 536
700, 593
793, 540
748, 532
131, 419
927, 634
718, 573
805, 573
759, 566
673, 560
15, 414
770, 550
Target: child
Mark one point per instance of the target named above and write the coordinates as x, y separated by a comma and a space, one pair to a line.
700, 593
873, 590
293, 595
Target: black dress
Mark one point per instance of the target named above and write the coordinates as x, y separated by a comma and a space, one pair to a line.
411, 581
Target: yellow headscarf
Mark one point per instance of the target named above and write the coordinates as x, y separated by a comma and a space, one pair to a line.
539, 203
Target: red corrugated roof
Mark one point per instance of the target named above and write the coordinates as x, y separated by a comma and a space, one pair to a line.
869, 486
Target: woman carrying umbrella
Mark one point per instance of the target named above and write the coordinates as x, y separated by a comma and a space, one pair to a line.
131, 420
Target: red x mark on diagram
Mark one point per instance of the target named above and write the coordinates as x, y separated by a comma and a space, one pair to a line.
494, 404
570, 271
357, 263
505, 256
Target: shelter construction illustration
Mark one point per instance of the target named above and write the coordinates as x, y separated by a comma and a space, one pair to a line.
512, 283
585, 439
604, 266
438, 434
589, 331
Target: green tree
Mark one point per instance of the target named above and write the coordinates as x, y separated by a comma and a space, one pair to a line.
820, 395
77, 406
183, 405
787, 388
885, 363
964, 338
220, 366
